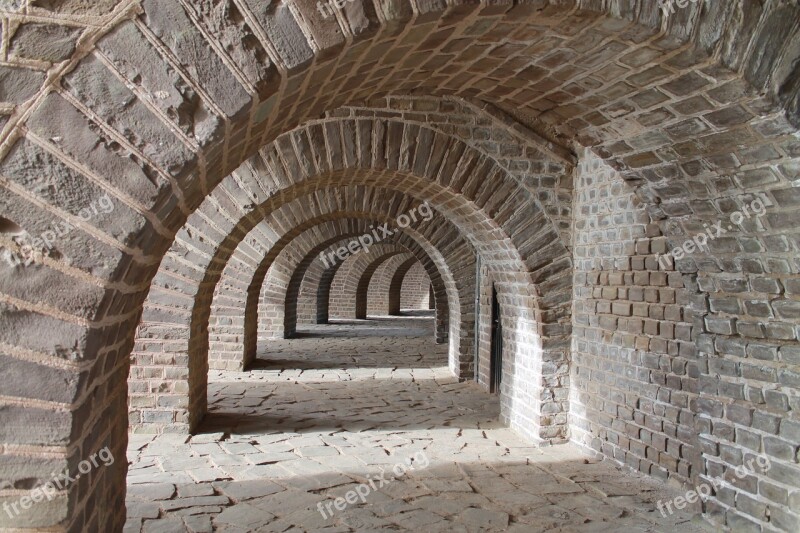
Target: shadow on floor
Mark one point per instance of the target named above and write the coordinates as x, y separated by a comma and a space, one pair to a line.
371, 327
328, 413
557, 490
354, 405
391, 361
355, 382
382, 342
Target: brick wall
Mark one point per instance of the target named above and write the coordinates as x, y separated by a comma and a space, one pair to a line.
378, 298
694, 109
630, 331
679, 370
416, 289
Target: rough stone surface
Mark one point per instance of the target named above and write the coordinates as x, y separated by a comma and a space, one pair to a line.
47, 42
565, 145
321, 416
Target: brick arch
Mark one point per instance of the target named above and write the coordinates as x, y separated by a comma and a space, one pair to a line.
323, 292
285, 299
383, 206
307, 309
242, 299
316, 284
95, 299
362, 290
396, 287
522, 331
450, 295
411, 287
242, 323
449, 164
415, 290
309, 306
348, 291
295, 217
281, 308
378, 298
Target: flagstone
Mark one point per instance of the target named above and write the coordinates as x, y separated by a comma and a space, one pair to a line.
244, 515
278, 444
248, 489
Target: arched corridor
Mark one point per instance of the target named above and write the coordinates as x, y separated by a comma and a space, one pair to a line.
599, 196
333, 412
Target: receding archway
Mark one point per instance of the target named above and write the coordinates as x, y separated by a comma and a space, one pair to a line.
159, 134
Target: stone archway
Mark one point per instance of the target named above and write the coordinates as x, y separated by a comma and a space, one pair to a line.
379, 297
138, 123
535, 239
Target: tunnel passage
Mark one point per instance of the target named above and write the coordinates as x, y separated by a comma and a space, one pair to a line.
619, 130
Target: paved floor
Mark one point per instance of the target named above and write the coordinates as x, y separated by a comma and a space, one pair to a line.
359, 426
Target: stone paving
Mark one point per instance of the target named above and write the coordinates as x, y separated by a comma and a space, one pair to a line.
359, 426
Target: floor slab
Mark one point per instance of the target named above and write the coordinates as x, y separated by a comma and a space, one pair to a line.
359, 426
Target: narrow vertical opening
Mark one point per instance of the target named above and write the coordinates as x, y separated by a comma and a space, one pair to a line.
496, 366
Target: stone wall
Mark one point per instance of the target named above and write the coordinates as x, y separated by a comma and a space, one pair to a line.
378, 297
158, 103
415, 293
347, 281
679, 370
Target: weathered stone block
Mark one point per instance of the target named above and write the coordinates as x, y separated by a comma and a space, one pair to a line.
44, 42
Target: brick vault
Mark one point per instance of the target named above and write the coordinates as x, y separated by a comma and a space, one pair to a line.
622, 174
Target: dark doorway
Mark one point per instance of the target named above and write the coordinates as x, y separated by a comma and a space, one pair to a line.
496, 366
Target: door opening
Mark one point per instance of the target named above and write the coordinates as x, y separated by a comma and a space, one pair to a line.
496, 366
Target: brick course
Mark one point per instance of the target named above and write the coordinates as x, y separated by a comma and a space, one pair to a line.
679, 373
415, 292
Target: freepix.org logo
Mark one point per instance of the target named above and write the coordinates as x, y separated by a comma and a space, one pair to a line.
699, 242
60, 482
32, 249
668, 6
374, 483
376, 235
703, 491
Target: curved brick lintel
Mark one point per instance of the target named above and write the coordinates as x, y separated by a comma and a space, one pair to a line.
742, 36
385, 275
351, 282
175, 418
